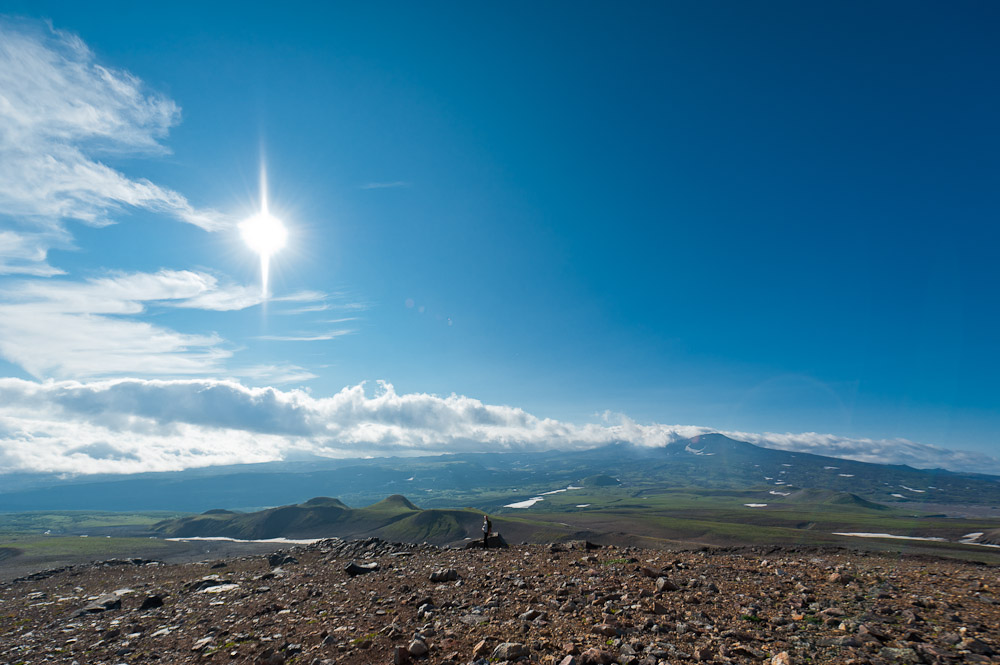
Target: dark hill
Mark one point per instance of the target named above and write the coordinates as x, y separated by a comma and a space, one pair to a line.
394, 518
324, 501
833, 498
600, 480
394, 502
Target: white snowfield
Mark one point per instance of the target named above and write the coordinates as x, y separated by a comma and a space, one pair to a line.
967, 539
889, 535
528, 503
292, 541
524, 504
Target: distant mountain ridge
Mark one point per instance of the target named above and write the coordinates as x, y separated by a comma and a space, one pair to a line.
490, 479
394, 518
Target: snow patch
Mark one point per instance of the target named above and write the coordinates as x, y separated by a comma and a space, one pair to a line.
582, 505
780, 493
889, 535
525, 504
755, 505
291, 541
911, 489
846, 475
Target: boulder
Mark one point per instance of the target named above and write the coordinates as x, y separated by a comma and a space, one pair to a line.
444, 575
417, 648
664, 584
510, 651
595, 656
151, 602
109, 601
354, 569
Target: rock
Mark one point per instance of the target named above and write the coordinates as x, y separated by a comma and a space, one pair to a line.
931, 654
531, 615
704, 653
481, 650
743, 651
659, 609
151, 602
354, 569
869, 633
448, 575
206, 582
271, 657
663, 584
781, 659
400, 656
568, 660
202, 643
417, 648
109, 601
280, 559
605, 629
975, 646
510, 651
497, 542
594, 656
899, 655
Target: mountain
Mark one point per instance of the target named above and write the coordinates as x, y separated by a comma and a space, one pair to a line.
491, 480
394, 518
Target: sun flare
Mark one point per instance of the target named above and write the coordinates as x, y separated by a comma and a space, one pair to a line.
264, 233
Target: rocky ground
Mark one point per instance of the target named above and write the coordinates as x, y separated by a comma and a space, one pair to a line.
553, 604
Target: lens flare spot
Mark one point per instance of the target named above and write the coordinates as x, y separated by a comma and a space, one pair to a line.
264, 234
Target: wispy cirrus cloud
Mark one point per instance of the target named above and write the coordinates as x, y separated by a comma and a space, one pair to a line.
60, 111
167, 425
67, 329
392, 184
321, 337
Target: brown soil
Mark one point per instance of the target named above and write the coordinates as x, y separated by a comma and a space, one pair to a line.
591, 605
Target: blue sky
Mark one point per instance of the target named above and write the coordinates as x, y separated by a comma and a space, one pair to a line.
774, 220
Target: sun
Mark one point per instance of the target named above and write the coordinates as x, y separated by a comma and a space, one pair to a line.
265, 234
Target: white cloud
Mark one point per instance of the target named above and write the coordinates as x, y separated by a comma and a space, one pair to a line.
60, 110
27, 253
143, 425
60, 328
321, 337
276, 374
880, 451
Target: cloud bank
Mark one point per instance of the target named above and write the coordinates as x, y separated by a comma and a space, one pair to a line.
60, 112
133, 425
